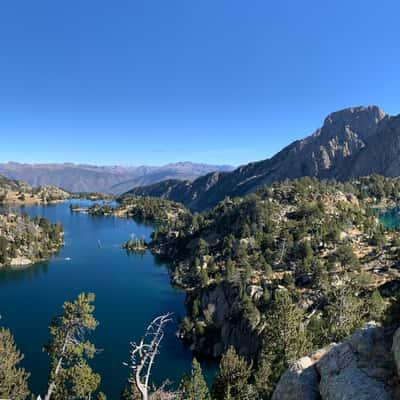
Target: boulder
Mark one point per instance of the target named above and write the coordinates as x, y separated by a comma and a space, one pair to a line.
358, 368
299, 382
396, 350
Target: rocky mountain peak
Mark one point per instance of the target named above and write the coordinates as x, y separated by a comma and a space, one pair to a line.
363, 121
352, 142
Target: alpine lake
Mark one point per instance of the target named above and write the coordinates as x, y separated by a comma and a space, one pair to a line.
131, 289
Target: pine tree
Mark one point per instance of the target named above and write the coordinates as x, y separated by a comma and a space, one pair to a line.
232, 378
344, 310
284, 340
193, 386
376, 306
262, 377
70, 375
13, 380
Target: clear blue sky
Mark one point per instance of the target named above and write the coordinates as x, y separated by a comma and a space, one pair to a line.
217, 81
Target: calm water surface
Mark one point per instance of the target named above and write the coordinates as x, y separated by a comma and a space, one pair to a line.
130, 291
390, 218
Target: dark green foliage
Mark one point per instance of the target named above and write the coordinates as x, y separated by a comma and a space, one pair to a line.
70, 375
231, 382
345, 257
4, 252
22, 236
285, 339
13, 380
376, 306
193, 386
143, 209
344, 311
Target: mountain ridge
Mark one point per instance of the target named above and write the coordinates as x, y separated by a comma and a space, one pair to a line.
114, 179
341, 149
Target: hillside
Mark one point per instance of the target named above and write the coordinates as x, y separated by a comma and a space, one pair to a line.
352, 142
285, 270
18, 192
107, 179
24, 241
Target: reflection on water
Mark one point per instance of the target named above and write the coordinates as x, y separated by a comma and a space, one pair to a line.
23, 273
130, 290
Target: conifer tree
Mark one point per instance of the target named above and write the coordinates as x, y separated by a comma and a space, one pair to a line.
344, 310
70, 375
285, 340
232, 378
13, 380
376, 306
193, 386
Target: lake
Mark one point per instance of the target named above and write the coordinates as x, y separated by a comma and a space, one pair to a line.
130, 291
390, 218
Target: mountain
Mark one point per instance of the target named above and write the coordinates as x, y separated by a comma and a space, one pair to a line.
352, 142
9, 184
108, 179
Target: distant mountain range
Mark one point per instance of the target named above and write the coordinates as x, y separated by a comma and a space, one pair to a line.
352, 142
107, 179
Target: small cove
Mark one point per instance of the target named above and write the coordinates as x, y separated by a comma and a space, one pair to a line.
130, 290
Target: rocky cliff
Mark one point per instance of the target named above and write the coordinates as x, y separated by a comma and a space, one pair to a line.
362, 367
223, 324
352, 142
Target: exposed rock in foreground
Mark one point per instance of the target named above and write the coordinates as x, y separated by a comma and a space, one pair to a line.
359, 368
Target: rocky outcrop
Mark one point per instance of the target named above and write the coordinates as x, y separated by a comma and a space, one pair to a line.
396, 350
224, 324
359, 368
299, 382
353, 142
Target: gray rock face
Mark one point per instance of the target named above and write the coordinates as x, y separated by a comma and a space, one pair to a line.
217, 304
396, 349
356, 369
299, 382
353, 142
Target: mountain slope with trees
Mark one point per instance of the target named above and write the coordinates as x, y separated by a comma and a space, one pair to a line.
285, 270
352, 142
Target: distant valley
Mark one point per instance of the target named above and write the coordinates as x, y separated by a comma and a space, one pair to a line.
107, 179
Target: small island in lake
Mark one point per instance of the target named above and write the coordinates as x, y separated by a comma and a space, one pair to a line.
150, 209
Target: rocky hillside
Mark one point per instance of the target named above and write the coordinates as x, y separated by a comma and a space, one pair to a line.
363, 366
283, 271
24, 241
353, 142
18, 192
108, 179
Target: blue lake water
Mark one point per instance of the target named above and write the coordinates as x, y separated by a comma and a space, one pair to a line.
130, 290
390, 218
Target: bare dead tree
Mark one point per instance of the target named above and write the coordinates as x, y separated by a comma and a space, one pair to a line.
143, 354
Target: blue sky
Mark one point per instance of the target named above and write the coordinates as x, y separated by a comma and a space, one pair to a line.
216, 81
